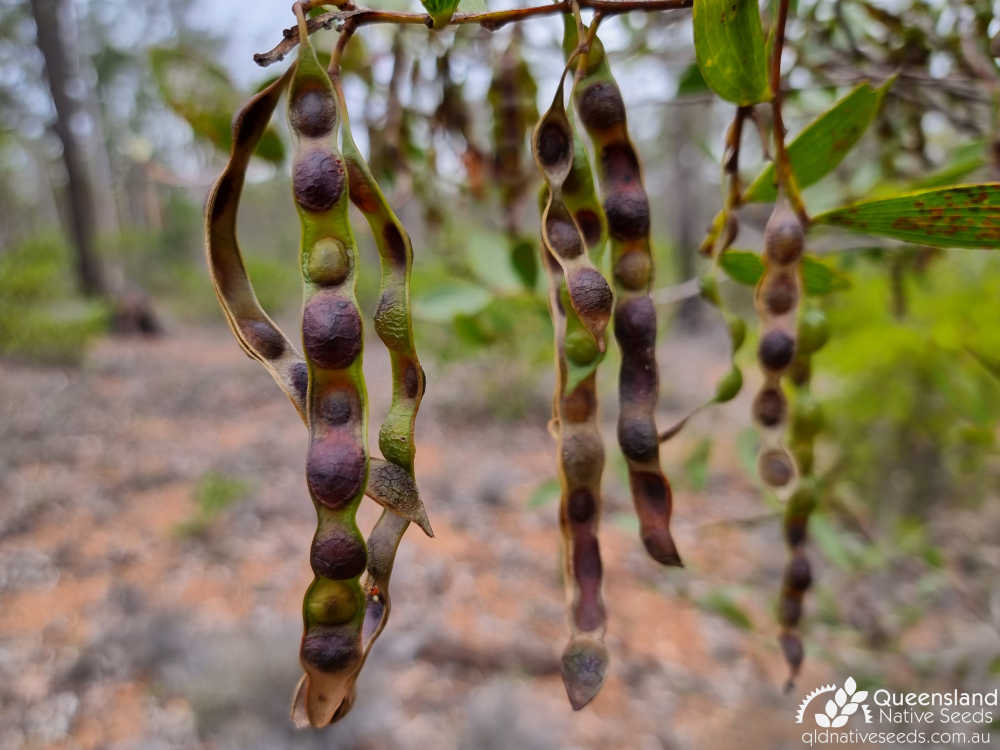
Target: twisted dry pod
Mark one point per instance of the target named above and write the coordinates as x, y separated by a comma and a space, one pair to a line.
580, 455
512, 96
806, 423
388, 483
395, 485
552, 144
601, 110
776, 299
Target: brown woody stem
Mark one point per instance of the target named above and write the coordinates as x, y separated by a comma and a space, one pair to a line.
492, 20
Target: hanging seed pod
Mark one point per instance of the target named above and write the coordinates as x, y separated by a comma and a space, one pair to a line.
388, 484
581, 462
602, 112
776, 299
806, 424
512, 95
392, 482
553, 148
336, 402
255, 332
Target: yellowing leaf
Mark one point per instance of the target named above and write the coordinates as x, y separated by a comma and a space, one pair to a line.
729, 47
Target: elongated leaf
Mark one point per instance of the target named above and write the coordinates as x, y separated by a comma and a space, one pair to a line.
961, 216
729, 47
821, 146
742, 266
818, 278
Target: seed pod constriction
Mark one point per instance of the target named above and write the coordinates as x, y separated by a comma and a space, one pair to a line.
602, 112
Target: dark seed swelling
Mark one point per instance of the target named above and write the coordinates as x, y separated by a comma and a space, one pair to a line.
770, 407
553, 144
337, 408
411, 380
331, 331
335, 469
264, 338
331, 650
395, 243
590, 293
300, 379
780, 294
620, 165
313, 112
563, 236
317, 180
776, 468
784, 237
776, 350
628, 213
362, 194
601, 106
337, 554
638, 438
635, 325
799, 573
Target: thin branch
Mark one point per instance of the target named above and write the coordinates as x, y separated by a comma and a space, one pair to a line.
491, 20
786, 178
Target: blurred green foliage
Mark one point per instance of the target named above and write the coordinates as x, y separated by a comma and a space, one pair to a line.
913, 414
213, 493
42, 318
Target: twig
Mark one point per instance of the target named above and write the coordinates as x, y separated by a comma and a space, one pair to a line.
786, 178
491, 20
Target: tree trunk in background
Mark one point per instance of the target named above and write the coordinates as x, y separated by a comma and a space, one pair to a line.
689, 225
90, 276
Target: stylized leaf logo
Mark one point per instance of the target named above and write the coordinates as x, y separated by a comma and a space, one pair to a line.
831, 709
842, 706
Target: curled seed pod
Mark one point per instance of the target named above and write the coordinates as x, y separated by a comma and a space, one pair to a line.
255, 332
554, 148
336, 407
601, 110
581, 462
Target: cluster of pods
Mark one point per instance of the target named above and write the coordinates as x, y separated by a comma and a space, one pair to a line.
592, 201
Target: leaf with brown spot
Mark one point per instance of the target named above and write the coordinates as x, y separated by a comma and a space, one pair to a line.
958, 216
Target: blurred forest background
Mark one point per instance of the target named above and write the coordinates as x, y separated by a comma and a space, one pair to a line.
153, 523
